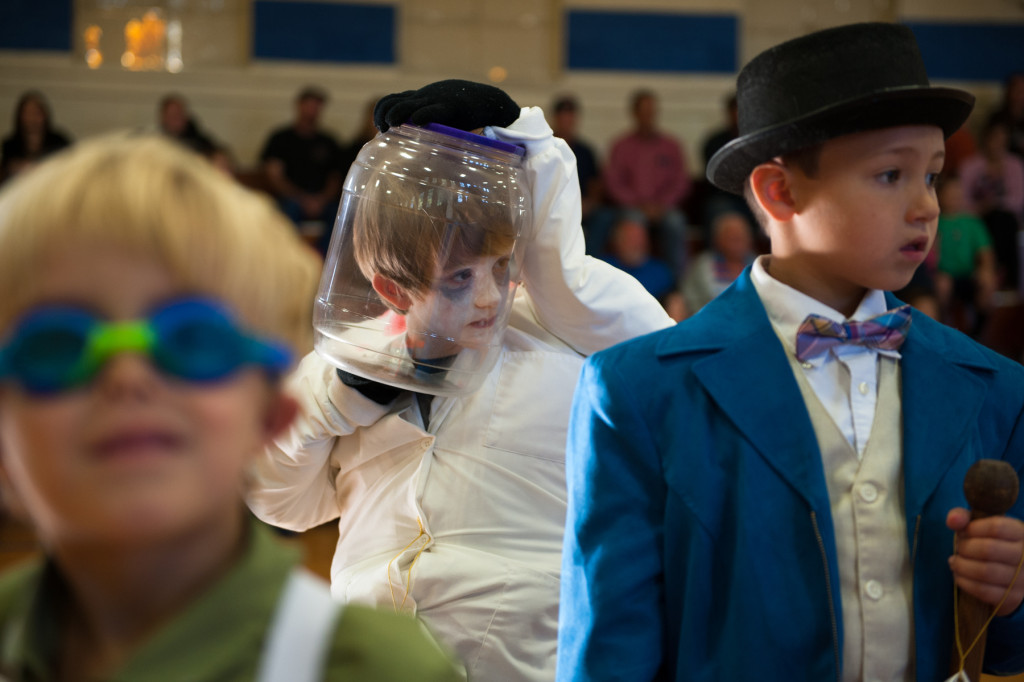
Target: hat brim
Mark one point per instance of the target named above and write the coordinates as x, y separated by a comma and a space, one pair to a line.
946, 108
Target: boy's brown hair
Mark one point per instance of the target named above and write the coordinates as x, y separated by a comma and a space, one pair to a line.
419, 230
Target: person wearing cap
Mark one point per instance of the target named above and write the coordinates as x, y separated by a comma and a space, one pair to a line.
729, 516
302, 164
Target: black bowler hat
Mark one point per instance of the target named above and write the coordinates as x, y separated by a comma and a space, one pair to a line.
830, 83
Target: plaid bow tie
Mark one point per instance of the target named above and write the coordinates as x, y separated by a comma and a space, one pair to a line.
886, 331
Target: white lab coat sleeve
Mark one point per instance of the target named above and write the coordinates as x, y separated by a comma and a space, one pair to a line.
585, 302
293, 478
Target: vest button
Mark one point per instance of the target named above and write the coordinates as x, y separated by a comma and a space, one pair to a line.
868, 492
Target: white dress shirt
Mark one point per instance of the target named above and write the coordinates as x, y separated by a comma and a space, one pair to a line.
845, 378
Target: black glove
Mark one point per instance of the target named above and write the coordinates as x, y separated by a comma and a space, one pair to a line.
382, 394
455, 103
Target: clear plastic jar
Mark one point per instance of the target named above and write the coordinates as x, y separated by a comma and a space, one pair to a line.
424, 261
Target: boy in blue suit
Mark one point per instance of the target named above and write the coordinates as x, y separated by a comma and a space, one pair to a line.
750, 499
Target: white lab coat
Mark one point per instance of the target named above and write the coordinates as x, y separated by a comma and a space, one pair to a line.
462, 522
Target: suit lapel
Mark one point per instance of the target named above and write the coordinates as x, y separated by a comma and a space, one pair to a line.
941, 397
750, 380
748, 376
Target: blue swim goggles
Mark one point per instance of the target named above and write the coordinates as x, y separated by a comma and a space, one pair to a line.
57, 348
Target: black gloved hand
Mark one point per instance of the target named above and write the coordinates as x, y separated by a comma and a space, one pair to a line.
455, 103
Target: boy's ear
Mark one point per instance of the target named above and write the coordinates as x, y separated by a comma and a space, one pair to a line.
10, 501
393, 294
771, 183
281, 412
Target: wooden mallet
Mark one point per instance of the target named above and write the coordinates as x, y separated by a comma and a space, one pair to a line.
991, 487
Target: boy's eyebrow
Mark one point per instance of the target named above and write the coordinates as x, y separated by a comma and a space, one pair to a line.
910, 151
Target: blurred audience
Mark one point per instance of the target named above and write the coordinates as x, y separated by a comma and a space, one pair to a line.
367, 131
176, 121
302, 164
720, 137
993, 185
1011, 110
959, 146
33, 137
629, 249
646, 176
707, 201
565, 116
731, 250
965, 278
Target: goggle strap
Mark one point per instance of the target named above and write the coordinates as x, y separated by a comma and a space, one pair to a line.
267, 354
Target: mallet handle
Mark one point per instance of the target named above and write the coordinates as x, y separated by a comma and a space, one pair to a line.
991, 487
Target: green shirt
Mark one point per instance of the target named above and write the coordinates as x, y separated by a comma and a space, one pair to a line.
961, 237
220, 635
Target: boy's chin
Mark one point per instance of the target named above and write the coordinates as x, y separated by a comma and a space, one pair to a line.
479, 340
436, 348
433, 347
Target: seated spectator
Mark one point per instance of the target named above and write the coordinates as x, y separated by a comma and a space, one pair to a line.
630, 251
959, 146
707, 201
965, 280
367, 131
177, 123
565, 116
732, 250
717, 139
33, 138
646, 175
1011, 110
224, 161
993, 186
302, 166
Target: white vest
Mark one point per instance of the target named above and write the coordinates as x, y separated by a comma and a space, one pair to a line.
866, 495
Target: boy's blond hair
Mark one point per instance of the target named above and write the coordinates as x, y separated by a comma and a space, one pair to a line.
419, 230
152, 198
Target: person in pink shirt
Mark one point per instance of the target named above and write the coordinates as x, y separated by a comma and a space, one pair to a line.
646, 176
994, 177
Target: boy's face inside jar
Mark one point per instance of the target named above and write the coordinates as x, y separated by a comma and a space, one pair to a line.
462, 307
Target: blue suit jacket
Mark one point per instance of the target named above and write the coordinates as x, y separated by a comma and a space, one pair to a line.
699, 540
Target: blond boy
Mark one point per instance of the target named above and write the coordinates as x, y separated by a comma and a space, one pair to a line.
146, 318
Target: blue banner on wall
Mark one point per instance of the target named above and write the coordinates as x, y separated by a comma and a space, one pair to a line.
35, 25
651, 41
323, 32
980, 52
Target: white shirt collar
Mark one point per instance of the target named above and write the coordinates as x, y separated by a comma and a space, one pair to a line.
787, 308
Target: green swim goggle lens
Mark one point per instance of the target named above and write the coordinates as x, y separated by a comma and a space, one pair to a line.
56, 348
